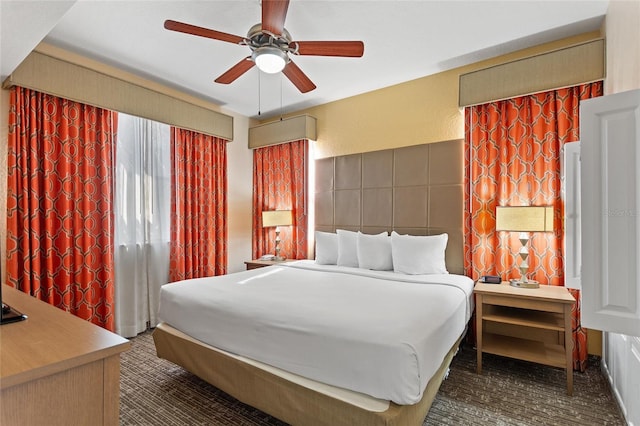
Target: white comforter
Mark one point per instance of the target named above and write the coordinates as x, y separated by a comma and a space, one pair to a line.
379, 333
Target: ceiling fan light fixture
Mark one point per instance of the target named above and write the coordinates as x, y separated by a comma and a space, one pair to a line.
269, 59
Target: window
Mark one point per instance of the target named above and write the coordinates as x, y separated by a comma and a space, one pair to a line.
143, 181
142, 214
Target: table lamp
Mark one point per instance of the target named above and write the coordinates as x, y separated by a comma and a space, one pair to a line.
524, 219
277, 218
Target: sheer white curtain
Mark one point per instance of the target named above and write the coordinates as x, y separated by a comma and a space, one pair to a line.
142, 212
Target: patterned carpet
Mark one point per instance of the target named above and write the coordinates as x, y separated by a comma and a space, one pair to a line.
157, 392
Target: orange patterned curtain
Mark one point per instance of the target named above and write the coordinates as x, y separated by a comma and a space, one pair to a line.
513, 158
59, 203
198, 205
280, 176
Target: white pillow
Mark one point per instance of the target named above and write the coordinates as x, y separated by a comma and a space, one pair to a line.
374, 252
326, 248
347, 248
417, 255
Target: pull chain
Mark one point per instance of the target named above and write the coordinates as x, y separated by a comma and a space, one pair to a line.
281, 77
259, 100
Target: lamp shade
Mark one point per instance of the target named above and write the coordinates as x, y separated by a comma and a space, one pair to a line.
524, 219
276, 218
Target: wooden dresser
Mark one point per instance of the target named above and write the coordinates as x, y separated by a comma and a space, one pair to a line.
57, 369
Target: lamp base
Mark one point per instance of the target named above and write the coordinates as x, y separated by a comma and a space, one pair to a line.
522, 284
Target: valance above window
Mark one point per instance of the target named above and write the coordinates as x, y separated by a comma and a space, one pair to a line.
58, 77
570, 66
301, 127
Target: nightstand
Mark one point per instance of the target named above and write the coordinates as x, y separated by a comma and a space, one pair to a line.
528, 324
257, 263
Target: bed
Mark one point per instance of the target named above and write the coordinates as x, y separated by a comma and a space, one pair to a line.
321, 344
415, 190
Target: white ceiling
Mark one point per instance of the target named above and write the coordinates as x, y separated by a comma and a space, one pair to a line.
404, 40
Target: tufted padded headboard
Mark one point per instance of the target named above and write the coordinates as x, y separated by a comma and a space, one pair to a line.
415, 190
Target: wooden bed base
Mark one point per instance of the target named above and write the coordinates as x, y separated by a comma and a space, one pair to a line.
287, 401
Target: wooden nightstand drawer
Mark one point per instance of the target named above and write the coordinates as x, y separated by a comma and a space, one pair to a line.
257, 263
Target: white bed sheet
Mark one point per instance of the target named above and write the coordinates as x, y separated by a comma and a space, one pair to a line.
379, 333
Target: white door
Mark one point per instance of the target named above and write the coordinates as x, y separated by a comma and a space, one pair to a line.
610, 181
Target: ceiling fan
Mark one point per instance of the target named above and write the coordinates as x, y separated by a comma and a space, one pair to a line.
271, 45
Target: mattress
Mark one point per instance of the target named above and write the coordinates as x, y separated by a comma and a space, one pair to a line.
378, 333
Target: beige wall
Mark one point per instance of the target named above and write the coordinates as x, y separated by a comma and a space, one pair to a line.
239, 194
420, 111
622, 29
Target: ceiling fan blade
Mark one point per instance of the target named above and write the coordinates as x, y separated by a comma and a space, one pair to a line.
202, 32
298, 78
354, 49
236, 71
274, 13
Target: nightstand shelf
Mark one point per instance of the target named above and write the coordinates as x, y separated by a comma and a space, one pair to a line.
524, 317
524, 349
528, 324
